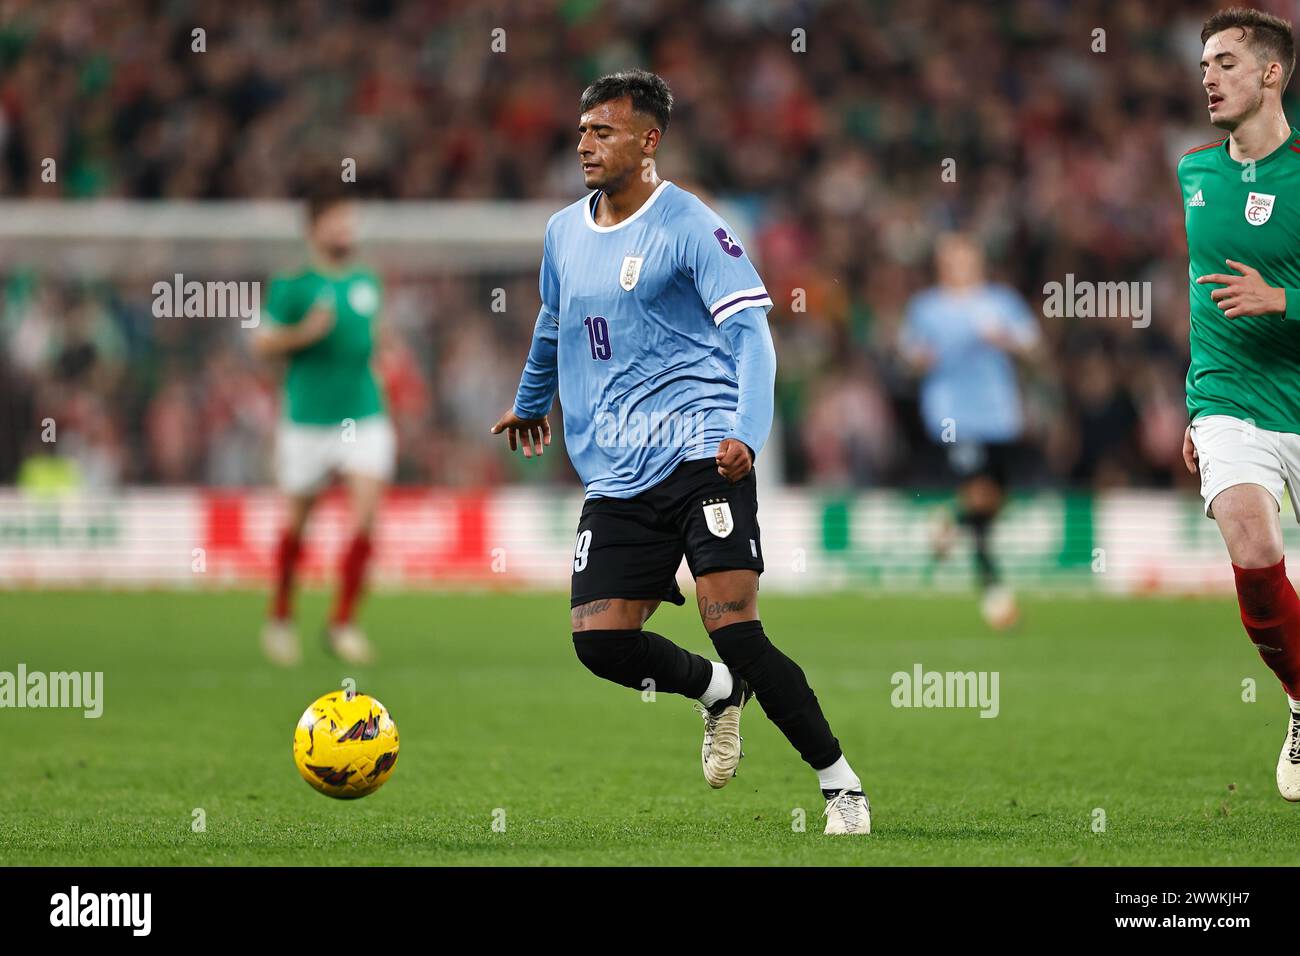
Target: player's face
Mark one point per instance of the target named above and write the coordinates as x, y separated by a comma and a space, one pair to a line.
613, 143
958, 261
334, 233
1232, 78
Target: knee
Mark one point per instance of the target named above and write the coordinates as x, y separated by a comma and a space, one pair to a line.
981, 498
1257, 554
296, 520
1247, 516
363, 518
605, 653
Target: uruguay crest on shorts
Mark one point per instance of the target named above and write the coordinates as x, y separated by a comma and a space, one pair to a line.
630, 272
717, 515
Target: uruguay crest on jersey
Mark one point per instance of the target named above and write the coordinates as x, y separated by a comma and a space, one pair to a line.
631, 272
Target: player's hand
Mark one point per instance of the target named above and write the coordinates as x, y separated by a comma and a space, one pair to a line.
996, 334
1191, 458
734, 459
1246, 294
920, 358
275, 341
536, 432
316, 324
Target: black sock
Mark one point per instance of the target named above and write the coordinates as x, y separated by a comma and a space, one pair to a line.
781, 689
980, 525
631, 657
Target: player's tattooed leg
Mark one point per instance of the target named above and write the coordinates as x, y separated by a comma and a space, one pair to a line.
585, 612
781, 688
642, 660
727, 597
728, 602
608, 639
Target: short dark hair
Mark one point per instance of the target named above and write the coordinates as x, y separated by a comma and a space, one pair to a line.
1269, 37
322, 201
650, 94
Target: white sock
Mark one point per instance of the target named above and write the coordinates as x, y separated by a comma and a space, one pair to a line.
839, 776
720, 685
1295, 704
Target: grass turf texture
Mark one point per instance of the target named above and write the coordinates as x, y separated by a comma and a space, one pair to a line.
1133, 707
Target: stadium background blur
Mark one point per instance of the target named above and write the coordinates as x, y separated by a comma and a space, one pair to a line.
1064, 161
829, 165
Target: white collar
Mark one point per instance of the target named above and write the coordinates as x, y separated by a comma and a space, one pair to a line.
591, 223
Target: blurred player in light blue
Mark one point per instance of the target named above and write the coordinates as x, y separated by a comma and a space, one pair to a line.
961, 337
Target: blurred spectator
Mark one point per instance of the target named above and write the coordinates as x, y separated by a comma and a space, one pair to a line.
904, 118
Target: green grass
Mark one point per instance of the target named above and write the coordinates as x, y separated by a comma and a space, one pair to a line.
1133, 707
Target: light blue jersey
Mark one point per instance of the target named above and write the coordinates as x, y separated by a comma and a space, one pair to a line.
972, 383
656, 328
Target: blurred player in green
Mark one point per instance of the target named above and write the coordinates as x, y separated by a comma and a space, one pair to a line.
1241, 202
322, 323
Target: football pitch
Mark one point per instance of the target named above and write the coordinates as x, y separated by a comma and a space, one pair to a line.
1121, 738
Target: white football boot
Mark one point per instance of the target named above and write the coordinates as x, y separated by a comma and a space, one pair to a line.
848, 812
280, 643
721, 753
1288, 764
349, 643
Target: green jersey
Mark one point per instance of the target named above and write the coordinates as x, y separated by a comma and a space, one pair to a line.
1247, 367
331, 379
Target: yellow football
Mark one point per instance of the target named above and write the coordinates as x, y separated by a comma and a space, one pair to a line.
345, 745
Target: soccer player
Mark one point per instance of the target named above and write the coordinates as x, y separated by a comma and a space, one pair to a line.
322, 322
654, 326
1241, 197
961, 337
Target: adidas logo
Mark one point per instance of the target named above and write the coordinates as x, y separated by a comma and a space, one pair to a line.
1197, 200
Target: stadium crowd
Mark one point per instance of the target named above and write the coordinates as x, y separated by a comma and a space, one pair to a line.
1051, 141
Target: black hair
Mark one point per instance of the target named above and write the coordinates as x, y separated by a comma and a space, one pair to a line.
650, 94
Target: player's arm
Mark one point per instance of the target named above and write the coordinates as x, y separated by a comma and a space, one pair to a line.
913, 343
751, 346
527, 417
1249, 294
731, 290
285, 334
536, 392
1014, 331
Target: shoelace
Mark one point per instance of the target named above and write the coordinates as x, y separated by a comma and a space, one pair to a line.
710, 723
1293, 754
848, 807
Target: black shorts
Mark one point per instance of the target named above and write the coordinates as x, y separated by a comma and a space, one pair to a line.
968, 460
631, 547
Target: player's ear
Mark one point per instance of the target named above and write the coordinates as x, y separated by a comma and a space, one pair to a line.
650, 139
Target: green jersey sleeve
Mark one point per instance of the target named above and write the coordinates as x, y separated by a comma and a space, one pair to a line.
1292, 303
287, 300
